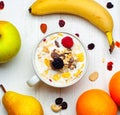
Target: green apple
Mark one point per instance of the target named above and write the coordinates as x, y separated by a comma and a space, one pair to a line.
10, 41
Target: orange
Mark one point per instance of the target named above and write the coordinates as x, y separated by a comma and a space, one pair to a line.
114, 87
95, 102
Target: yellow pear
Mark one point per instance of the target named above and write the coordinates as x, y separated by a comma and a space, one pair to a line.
19, 104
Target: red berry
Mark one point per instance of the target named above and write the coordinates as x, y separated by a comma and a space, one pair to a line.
67, 42
1, 5
117, 44
61, 23
109, 66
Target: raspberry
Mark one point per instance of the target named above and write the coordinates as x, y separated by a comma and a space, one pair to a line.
57, 63
67, 42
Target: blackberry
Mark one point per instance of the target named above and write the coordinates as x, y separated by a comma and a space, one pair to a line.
57, 63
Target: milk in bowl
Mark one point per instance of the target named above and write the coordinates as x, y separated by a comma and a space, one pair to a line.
59, 60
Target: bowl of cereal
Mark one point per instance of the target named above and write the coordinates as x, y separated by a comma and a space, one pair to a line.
59, 60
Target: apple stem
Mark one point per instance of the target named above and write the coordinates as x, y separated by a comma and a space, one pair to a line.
3, 88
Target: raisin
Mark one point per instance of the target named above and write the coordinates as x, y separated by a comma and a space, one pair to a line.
58, 101
91, 46
57, 44
1, 5
109, 5
109, 66
43, 27
77, 34
64, 105
61, 23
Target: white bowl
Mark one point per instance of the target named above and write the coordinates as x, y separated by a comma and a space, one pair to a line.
45, 73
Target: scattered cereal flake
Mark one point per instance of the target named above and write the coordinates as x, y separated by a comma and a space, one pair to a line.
93, 76
82, 66
46, 71
53, 37
60, 34
103, 60
66, 75
45, 49
110, 66
61, 23
47, 62
39, 56
77, 73
117, 44
2, 5
43, 27
80, 57
56, 77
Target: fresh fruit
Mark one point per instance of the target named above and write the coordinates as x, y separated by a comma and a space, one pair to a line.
16, 103
67, 42
114, 87
10, 41
95, 102
19, 104
57, 63
88, 9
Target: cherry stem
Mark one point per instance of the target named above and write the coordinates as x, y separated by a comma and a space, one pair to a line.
3, 88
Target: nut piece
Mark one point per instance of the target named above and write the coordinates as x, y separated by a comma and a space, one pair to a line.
93, 76
56, 108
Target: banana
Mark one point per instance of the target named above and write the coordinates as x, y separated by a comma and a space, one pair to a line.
87, 9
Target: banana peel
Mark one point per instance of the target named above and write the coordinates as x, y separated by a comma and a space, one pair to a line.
87, 9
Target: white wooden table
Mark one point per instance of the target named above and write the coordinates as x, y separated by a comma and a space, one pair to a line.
13, 75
